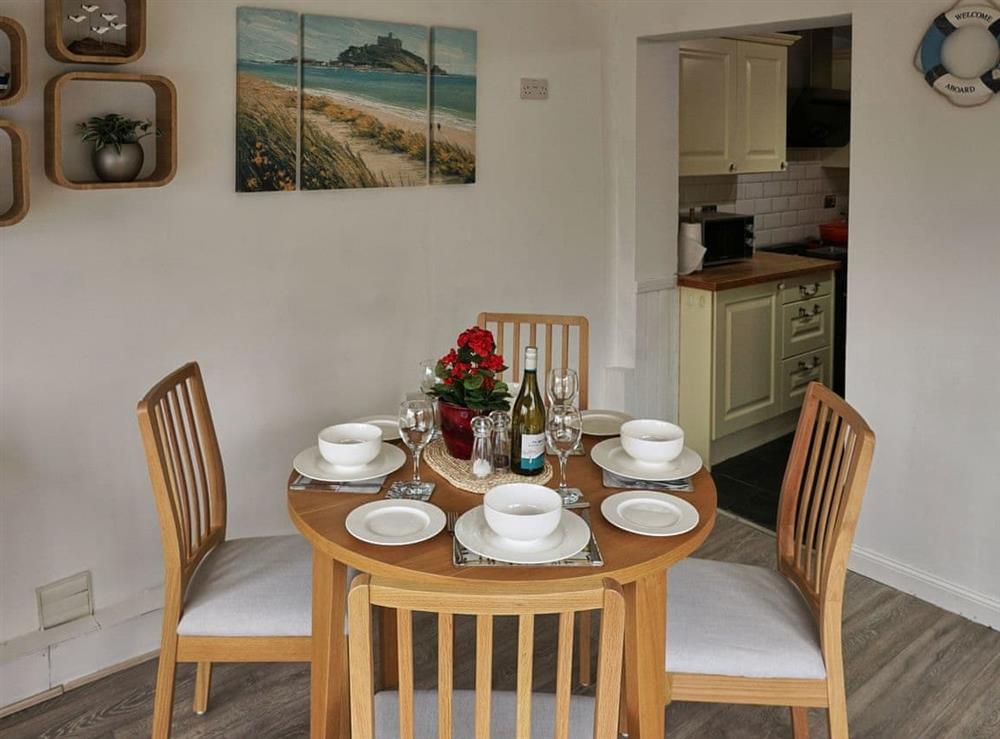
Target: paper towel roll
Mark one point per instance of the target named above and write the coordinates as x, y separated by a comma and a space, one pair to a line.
690, 251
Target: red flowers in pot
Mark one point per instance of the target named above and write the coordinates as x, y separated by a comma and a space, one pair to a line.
467, 387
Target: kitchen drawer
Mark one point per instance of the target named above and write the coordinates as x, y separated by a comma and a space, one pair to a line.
798, 372
806, 287
806, 325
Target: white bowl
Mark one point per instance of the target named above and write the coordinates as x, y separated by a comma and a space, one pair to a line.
522, 511
350, 444
652, 442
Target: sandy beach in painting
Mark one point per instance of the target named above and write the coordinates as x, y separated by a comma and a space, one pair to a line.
464, 137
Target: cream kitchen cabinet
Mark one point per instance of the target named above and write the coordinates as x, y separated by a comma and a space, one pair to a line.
733, 102
747, 353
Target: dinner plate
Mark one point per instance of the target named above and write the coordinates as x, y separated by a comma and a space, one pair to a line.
388, 423
569, 538
603, 423
310, 462
395, 522
610, 456
649, 513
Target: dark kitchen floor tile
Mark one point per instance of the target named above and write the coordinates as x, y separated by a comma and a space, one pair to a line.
746, 501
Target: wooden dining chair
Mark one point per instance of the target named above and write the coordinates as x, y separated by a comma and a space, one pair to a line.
554, 330
743, 634
237, 600
482, 713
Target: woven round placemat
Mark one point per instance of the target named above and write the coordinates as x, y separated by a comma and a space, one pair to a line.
459, 474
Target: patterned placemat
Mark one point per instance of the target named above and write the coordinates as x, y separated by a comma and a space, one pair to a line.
458, 473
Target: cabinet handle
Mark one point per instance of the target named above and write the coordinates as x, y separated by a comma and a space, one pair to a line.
783, 165
732, 166
807, 292
780, 287
804, 368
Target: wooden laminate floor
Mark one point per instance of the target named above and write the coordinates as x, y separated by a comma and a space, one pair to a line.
914, 671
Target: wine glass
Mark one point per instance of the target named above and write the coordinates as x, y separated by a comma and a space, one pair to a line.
428, 379
562, 385
563, 428
416, 426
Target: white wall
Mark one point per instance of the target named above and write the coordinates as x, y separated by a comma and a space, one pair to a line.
303, 308
923, 343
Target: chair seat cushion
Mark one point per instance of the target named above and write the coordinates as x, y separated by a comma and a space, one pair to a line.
739, 620
503, 715
259, 586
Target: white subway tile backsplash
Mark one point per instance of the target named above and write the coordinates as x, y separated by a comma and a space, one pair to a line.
786, 205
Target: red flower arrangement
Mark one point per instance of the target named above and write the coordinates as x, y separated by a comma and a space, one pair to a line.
467, 373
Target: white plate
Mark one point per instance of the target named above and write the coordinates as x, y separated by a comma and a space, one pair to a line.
610, 456
395, 522
603, 423
309, 462
649, 513
388, 424
572, 535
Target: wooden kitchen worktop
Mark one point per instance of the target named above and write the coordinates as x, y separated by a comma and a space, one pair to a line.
764, 267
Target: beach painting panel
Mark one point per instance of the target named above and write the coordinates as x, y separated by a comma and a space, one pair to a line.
453, 106
364, 103
267, 108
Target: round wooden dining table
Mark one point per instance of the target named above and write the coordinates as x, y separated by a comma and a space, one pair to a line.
639, 563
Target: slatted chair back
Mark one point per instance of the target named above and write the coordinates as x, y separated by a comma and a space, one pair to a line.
821, 498
550, 333
368, 591
185, 468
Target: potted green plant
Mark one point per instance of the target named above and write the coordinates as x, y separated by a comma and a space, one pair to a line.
117, 155
467, 387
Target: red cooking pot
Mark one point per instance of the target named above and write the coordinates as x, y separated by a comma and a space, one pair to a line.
834, 233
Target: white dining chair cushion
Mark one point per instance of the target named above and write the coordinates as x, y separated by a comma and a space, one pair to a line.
503, 715
258, 586
739, 620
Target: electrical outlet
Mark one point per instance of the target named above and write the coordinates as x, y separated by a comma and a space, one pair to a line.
830, 201
534, 89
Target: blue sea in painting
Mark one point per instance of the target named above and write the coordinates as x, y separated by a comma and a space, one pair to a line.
454, 96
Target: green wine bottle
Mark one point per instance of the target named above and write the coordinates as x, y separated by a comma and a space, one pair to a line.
527, 419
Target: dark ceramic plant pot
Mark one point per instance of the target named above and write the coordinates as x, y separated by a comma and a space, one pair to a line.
112, 166
456, 428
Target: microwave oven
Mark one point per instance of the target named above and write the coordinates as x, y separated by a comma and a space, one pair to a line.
727, 237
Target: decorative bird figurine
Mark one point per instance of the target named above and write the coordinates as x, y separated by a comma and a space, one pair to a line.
109, 16
100, 30
77, 18
89, 8
118, 26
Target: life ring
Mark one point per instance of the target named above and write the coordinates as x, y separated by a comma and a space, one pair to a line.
965, 92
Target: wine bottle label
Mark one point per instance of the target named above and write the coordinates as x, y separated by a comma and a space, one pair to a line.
532, 451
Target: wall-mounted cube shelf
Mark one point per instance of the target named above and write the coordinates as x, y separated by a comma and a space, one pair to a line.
135, 36
166, 120
19, 174
18, 60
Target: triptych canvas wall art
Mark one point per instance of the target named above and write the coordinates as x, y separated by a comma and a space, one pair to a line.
325, 102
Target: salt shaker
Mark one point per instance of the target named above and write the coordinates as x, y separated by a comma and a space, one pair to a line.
501, 441
482, 447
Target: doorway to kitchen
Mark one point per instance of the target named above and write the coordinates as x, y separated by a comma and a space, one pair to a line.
763, 143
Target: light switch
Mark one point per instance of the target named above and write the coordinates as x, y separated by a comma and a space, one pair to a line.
534, 88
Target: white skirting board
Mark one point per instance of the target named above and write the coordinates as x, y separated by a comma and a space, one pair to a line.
972, 605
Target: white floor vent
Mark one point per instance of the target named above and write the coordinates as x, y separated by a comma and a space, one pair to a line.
65, 600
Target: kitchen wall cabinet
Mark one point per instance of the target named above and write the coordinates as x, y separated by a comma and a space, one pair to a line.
732, 105
746, 356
